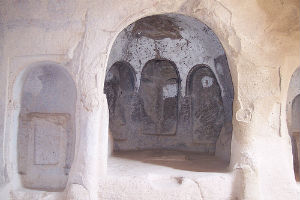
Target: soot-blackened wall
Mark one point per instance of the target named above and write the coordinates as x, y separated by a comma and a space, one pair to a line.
207, 112
296, 132
296, 114
293, 118
159, 93
119, 88
182, 95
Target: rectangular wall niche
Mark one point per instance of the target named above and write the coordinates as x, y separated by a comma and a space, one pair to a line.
50, 136
45, 142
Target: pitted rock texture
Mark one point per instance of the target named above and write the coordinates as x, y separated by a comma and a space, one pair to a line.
159, 92
293, 110
207, 106
119, 88
162, 111
157, 29
296, 114
261, 40
296, 134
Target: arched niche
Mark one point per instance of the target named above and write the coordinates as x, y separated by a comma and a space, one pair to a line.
46, 133
293, 118
161, 115
119, 88
296, 114
159, 87
207, 111
296, 133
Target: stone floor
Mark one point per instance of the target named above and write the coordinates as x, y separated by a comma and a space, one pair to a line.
167, 175
159, 175
184, 162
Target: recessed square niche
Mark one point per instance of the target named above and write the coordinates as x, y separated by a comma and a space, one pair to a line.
170, 94
46, 135
49, 138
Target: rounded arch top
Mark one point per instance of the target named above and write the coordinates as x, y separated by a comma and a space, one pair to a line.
121, 66
294, 85
21, 77
182, 39
170, 63
49, 85
192, 72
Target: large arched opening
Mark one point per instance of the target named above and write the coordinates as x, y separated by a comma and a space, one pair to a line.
170, 94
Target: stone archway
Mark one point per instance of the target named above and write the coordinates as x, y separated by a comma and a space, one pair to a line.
162, 50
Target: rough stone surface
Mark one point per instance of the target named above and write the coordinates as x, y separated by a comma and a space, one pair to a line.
159, 94
119, 88
35, 195
296, 114
46, 135
260, 40
163, 103
77, 192
293, 118
207, 106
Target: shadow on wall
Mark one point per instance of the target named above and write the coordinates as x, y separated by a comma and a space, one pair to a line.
154, 63
46, 135
296, 134
293, 119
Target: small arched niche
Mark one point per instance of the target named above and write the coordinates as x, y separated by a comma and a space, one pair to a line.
119, 89
296, 114
158, 90
46, 133
207, 111
171, 54
296, 133
293, 119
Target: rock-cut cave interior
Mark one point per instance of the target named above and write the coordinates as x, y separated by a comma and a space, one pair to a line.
149, 100
170, 94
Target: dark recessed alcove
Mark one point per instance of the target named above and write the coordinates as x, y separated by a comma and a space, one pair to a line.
293, 119
296, 134
170, 94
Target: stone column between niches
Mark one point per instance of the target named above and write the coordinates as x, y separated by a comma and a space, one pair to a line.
91, 154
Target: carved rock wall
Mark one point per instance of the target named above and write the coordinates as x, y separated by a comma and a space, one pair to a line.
46, 135
168, 110
261, 42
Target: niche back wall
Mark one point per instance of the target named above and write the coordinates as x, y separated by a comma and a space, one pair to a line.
182, 45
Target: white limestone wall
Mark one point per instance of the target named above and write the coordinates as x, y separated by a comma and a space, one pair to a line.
261, 41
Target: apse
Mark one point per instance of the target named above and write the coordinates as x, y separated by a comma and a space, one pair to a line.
169, 88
